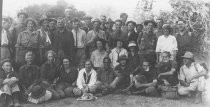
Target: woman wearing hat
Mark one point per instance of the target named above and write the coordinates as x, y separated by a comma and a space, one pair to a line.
27, 40
191, 77
166, 42
45, 41
9, 83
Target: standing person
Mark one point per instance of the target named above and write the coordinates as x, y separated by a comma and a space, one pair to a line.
191, 77
53, 36
65, 39
167, 43
123, 18
68, 18
6, 45
80, 42
109, 24
139, 31
88, 25
18, 28
28, 40
103, 21
118, 34
99, 54
9, 83
67, 78
159, 31
116, 52
86, 80
185, 41
148, 43
132, 35
93, 35
45, 42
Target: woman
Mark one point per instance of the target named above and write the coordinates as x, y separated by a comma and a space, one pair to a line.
133, 56
86, 81
67, 78
167, 43
27, 40
99, 54
49, 73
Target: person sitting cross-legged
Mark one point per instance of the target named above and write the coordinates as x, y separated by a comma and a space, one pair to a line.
9, 84
191, 77
143, 80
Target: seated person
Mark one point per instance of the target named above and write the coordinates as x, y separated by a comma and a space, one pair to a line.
143, 80
116, 52
29, 76
67, 78
122, 71
86, 80
8, 83
166, 69
191, 77
49, 73
133, 56
106, 77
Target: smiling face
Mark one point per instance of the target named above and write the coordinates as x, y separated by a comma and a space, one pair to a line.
30, 25
131, 27
166, 31
118, 26
150, 27
7, 67
45, 24
66, 63
22, 18
60, 23
50, 57
52, 25
181, 25
6, 25
88, 65
145, 66
165, 57
159, 23
99, 45
96, 25
29, 57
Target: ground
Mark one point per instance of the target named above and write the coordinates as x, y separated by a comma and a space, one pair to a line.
117, 100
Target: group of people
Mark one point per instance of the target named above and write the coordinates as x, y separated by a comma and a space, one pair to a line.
65, 57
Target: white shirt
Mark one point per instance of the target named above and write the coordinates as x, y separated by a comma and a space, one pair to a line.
81, 79
97, 58
4, 39
91, 35
115, 54
80, 39
168, 44
188, 73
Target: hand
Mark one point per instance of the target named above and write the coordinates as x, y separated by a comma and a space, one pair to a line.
6, 81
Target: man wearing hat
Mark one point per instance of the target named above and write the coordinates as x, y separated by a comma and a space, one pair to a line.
103, 21
8, 83
93, 35
132, 35
88, 25
159, 30
148, 42
123, 18
109, 24
191, 77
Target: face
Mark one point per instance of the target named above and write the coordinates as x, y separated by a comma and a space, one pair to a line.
118, 26
150, 27
166, 31
45, 24
30, 25
145, 66
132, 48
68, 13
165, 57
99, 45
6, 25
106, 63
66, 63
52, 25
124, 18
22, 18
186, 61
96, 25
159, 23
123, 62
50, 57
60, 23
87, 21
7, 67
88, 66
75, 25
131, 26
119, 44
103, 19
29, 57
139, 28
181, 25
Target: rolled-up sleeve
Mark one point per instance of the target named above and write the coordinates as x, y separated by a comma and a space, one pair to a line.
93, 78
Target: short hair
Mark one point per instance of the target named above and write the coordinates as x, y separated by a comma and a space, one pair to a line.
30, 19
30, 52
181, 20
102, 41
160, 19
88, 60
107, 58
134, 23
75, 20
137, 25
168, 27
123, 14
118, 20
168, 53
50, 51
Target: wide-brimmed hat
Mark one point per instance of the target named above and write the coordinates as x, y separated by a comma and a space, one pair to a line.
122, 57
42, 20
188, 55
110, 21
31, 19
132, 43
6, 60
150, 21
37, 92
22, 13
87, 97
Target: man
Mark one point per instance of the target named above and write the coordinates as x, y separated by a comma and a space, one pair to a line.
159, 30
66, 40
123, 18
87, 25
80, 42
148, 43
118, 34
143, 80
139, 31
106, 77
109, 24
9, 83
132, 35
191, 77
185, 40
103, 21
68, 18
18, 28
93, 35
